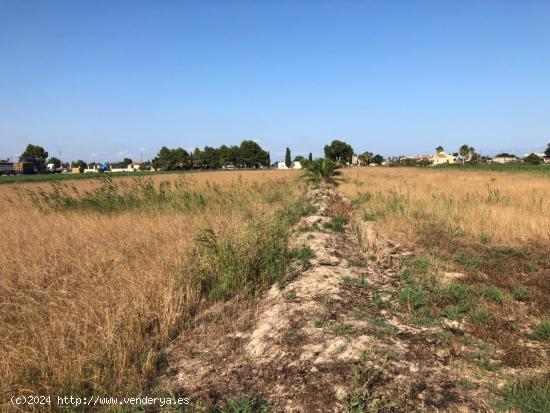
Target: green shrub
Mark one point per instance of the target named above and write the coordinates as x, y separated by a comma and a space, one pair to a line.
494, 294
336, 224
480, 315
303, 254
240, 262
520, 294
453, 312
531, 395
459, 294
245, 404
412, 297
542, 331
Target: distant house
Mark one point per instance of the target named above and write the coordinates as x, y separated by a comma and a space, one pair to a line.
134, 166
503, 159
293, 165
442, 157
355, 160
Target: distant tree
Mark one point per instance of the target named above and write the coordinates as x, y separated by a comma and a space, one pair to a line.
268, 160
198, 158
288, 159
299, 158
79, 164
439, 149
378, 159
472, 155
235, 154
56, 161
505, 155
126, 161
464, 150
310, 157
35, 154
366, 158
323, 170
225, 155
532, 159
339, 151
547, 151
251, 155
172, 159
211, 157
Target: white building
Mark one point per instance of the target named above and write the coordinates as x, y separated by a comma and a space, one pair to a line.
442, 157
293, 165
503, 159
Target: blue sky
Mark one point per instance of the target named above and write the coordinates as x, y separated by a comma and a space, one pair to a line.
100, 80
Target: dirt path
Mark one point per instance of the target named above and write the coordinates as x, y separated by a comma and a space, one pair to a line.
325, 340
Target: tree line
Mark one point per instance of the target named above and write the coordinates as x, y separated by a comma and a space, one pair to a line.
247, 155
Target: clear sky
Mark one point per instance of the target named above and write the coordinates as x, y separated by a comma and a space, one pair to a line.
100, 80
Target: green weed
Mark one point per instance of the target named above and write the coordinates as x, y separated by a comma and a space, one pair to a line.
531, 395
542, 331
520, 294
494, 294
336, 224
361, 199
245, 404
303, 254
481, 315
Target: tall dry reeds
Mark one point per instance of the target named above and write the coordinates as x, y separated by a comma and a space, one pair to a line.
91, 292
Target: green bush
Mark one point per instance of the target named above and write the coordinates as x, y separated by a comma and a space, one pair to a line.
245, 404
336, 224
531, 395
303, 254
459, 294
412, 297
494, 294
480, 315
520, 294
542, 331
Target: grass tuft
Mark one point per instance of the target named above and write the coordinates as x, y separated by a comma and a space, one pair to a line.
481, 315
542, 331
520, 294
530, 395
494, 294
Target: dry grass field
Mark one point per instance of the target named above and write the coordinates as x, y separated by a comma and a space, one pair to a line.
480, 266
493, 226
98, 277
506, 209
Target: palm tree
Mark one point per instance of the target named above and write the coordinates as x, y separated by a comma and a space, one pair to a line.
323, 170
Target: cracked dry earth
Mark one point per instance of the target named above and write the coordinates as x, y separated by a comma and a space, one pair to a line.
321, 341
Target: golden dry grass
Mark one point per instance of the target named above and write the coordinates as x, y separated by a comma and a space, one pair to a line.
500, 208
88, 300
